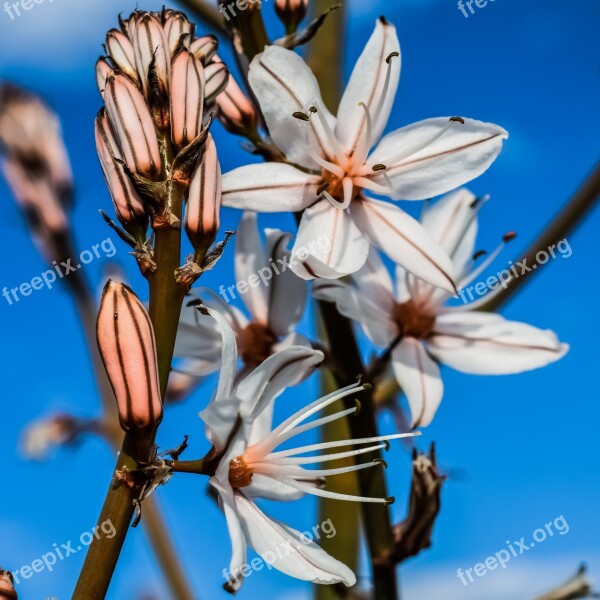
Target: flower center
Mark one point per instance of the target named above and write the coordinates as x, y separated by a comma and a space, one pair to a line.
240, 474
255, 343
413, 320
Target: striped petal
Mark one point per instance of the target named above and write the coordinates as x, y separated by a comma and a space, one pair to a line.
121, 52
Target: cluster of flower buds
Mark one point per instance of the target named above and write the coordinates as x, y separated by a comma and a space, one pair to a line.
7, 586
128, 349
160, 85
36, 166
291, 12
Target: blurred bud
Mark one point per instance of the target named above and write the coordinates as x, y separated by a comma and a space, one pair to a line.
236, 112
291, 12
7, 586
578, 586
187, 98
128, 349
181, 385
104, 71
133, 126
204, 200
129, 208
40, 438
204, 48
414, 533
217, 77
121, 52
176, 25
150, 48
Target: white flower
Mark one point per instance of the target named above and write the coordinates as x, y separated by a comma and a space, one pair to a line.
275, 307
414, 163
239, 424
422, 331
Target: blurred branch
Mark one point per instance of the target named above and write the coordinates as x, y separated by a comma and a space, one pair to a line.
567, 220
577, 587
206, 13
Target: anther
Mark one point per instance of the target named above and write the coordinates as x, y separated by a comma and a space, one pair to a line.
390, 500
509, 237
313, 109
358, 406
379, 167
387, 445
380, 461
457, 120
301, 116
479, 254
392, 55
324, 186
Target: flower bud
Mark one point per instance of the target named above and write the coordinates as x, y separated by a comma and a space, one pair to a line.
217, 77
7, 586
104, 71
133, 126
204, 48
41, 437
187, 98
176, 25
128, 349
128, 205
291, 12
150, 48
204, 200
121, 52
236, 112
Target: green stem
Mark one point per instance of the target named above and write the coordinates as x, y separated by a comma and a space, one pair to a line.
206, 13
166, 298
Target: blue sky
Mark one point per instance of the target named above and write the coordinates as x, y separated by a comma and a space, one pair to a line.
520, 450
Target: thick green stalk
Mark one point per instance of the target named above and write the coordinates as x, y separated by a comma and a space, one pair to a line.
206, 13
166, 298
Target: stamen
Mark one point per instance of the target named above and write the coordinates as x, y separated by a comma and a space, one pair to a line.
309, 460
332, 200
340, 444
378, 188
385, 91
329, 166
279, 471
335, 144
348, 186
366, 143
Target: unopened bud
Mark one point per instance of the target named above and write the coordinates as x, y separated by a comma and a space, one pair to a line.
133, 126
129, 208
291, 12
128, 349
204, 200
217, 77
204, 48
41, 437
236, 112
151, 48
121, 52
7, 586
176, 25
187, 98
104, 71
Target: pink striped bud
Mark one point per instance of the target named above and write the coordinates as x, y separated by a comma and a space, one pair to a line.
128, 349
150, 48
176, 25
204, 200
291, 12
236, 112
187, 98
128, 205
217, 77
133, 126
121, 52
7, 586
104, 71
204, 48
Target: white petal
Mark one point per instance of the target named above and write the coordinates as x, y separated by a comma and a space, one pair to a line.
250, 257
462, 153
269, 187
452, 223
263, 486
284, 84
366, 85
236, 533
287, 550
258, 391
328, 244
404, 240
419, 378
487, 344
355, 305
287, 291
374, 279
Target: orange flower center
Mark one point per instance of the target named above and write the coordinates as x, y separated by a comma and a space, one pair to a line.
414, 320
239, 474
255, 343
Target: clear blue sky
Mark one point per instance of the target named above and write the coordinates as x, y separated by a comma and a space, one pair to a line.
520, 450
